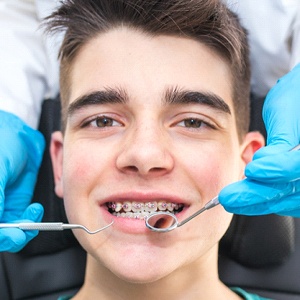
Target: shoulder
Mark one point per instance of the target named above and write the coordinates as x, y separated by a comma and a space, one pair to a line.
64, 298
246, 295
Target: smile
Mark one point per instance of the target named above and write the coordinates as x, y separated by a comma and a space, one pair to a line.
140, 210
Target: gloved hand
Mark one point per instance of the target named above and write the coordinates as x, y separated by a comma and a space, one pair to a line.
272, 183
21, 152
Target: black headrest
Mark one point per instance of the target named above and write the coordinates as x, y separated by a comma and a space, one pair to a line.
260, 241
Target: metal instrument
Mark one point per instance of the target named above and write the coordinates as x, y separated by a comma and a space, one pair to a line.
45, 226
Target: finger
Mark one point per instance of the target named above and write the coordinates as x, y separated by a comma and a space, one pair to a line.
13, 157
11, 164
1, 201
12, 161
19, 194
35, 145
288, 205
253, 197
12, 239
278, 168
291, 213
34, 212
271, 150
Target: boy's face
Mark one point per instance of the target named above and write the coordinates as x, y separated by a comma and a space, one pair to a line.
151, 120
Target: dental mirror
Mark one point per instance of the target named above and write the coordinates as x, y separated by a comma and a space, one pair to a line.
165, 221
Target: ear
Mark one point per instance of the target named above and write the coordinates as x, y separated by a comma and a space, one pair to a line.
56, 153
252, 142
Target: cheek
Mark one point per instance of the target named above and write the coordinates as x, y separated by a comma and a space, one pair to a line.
213, 171
76, 174
80, 166
77, 179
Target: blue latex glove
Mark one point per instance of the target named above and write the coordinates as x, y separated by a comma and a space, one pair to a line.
272, 183
21, 152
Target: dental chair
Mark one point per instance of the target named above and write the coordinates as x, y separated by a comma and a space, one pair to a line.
258, 254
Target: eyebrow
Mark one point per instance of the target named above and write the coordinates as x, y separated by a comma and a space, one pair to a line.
172, 96
176, 96
107, 96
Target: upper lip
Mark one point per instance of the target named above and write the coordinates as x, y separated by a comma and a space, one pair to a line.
143, 197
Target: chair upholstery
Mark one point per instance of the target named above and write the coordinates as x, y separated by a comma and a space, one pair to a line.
279, 281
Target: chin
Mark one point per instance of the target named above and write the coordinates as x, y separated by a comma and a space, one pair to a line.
136, 265
141, 274
138, 278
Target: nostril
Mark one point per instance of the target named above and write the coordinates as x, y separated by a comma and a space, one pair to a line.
156, 169
143, 170
132, 169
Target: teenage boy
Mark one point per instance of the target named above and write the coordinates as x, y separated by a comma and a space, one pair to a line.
155, 114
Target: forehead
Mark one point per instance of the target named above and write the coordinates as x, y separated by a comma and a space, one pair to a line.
147, 65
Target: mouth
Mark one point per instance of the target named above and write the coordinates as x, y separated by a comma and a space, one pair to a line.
140, 210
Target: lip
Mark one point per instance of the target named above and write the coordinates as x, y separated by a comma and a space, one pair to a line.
144, 197
135, 226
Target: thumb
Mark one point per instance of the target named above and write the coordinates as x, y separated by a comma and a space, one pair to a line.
14, 239
34, 212
20, 238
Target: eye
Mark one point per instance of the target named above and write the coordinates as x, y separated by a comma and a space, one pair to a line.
194, 123
101, 122
191, 123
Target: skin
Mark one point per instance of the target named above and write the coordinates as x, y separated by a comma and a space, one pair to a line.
149, 151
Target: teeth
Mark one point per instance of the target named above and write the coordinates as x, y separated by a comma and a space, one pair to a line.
137, 206
127, 206
139, 210
170, 206
118, 206
150, 206
131, 215
162, 205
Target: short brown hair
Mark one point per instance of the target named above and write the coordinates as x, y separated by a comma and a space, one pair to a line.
207, 21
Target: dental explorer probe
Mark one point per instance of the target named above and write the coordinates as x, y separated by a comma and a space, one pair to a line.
51, 226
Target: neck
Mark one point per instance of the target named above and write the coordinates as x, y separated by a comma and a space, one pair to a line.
197, 281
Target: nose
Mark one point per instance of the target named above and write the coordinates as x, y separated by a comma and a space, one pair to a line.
146, 152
